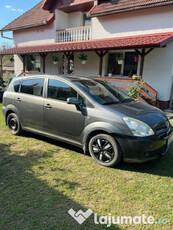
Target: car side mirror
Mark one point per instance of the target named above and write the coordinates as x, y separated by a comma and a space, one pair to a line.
73, 101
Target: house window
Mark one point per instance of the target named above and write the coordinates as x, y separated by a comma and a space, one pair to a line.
102, 1
87, 20
33, 63
128, 66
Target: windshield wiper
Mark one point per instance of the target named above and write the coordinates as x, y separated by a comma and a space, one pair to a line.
110, 102
127, 100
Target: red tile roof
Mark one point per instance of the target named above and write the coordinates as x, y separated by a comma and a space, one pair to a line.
138, 41
34, 17
50, 4
8, 63
117, 6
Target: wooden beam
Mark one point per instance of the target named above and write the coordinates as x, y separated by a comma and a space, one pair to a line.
142, 54
43, 55
142, 63
101, 54
147, 52
1, 66
24, 62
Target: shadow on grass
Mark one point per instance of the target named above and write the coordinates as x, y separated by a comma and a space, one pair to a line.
28, 202
161, 166
53, 142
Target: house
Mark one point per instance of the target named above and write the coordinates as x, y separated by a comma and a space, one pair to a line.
118, 37
8, 68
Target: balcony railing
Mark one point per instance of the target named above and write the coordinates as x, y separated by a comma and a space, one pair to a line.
74, 34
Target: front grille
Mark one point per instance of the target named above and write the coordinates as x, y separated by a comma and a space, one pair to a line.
162, 129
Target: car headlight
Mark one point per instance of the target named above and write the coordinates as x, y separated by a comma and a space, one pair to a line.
138, 128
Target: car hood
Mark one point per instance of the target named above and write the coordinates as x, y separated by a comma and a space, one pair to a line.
141, 111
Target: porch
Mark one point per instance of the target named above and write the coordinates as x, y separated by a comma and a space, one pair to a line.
97, 50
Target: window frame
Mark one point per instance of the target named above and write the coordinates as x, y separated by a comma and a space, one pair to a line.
67, 83
122, 66
33, 78
19, 86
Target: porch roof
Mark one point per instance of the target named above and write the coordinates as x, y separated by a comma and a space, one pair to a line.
130, 42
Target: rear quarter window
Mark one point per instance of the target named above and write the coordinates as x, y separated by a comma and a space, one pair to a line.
16, 86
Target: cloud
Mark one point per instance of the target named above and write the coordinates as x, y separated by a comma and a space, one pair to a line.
13, 9
8, 6
18, 10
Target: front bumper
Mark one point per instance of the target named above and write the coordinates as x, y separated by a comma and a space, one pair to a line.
143, 149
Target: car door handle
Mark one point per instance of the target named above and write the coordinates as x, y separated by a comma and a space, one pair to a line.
18, 99
48, 106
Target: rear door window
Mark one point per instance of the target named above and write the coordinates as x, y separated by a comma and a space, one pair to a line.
33, 87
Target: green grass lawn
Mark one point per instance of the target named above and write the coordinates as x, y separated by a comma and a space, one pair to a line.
41, 179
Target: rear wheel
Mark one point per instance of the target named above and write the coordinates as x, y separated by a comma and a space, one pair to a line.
104, 150
13, 124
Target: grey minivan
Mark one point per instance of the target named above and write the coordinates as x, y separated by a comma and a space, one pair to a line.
88, 113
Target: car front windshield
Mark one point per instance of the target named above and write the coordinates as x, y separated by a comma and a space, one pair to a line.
101, 91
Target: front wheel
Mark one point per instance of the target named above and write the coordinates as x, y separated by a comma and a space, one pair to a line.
13, 124
104, 150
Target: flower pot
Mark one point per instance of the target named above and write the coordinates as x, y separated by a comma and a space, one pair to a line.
136, 59
83, 62
120, 62
32, 62
55, 62
109, 74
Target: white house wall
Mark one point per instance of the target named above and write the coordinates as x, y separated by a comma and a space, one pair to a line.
158, 71
18, 63
71, 20
34, 36
61, 20
91, 68
75, 19
52, 68
133, 23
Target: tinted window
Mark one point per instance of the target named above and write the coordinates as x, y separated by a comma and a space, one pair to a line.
16, 86
101, 91
60, 90
33, 87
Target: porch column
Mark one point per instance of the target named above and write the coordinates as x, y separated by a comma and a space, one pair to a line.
1, 66
142, 62
24, 62
43, 55
68, 56
142, 54
101, 54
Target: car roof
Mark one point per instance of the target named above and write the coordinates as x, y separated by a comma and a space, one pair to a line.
63, 77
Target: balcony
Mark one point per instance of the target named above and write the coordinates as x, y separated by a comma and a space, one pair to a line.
74, 34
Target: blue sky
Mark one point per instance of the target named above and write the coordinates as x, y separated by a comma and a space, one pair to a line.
12, 9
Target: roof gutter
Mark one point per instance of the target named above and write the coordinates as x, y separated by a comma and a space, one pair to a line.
2, 35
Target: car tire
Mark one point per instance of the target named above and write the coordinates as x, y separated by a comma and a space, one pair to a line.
104, 150
13, 124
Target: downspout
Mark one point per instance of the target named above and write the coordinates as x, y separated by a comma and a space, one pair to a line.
2, 35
